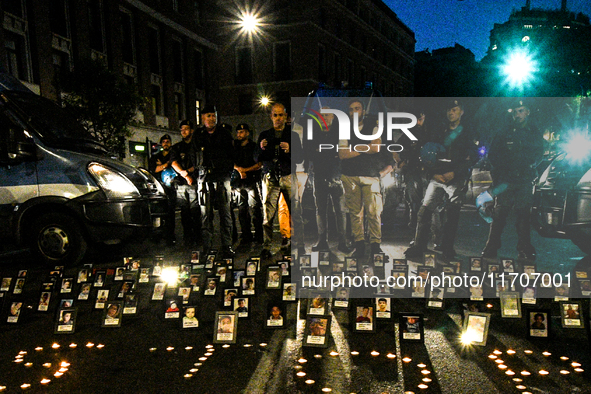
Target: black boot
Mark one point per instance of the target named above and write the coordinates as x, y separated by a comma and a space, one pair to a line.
359, 249
422, 234
343, 246
450, 228
321, 245
525, 249
493, 244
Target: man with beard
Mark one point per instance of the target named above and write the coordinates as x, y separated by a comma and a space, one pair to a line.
184, 161
246, 181
161, 163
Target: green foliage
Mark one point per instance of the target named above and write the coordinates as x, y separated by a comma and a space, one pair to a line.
102, 101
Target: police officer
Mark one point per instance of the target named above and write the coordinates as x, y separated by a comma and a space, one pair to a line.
514, 153
409, 163
184, 157
275, 149
328, 186
216, 144
160, 163
448, 176
246, 180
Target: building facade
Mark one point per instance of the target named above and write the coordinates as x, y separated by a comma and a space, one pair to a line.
301, 44
555, 41
160, 46
185, 53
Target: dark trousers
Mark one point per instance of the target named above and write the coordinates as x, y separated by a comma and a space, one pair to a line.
250, 208
169, 219
215, 195
517, 196
325, 190
186, 199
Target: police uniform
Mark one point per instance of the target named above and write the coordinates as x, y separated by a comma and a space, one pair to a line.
326, 167
458, 154
214, 182
186, 195
248, 189
513, 155
157, 160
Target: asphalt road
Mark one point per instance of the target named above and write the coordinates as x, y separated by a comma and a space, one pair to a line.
151, 354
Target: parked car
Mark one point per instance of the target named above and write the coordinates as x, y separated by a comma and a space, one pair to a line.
562, 195
59, 191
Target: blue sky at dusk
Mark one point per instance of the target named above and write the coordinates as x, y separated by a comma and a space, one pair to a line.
442, 23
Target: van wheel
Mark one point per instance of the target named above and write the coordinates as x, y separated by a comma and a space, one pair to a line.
57, 239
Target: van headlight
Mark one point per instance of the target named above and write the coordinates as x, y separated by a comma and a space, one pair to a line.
153, 180
113, 183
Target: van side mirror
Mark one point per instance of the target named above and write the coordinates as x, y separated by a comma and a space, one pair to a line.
26, 150
19, 151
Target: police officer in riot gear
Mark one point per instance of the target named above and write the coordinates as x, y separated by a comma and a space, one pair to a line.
514, 153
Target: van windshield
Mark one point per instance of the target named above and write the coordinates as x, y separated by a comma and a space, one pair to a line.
53, 124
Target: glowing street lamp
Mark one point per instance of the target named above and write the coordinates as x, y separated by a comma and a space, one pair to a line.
265, 101
249, 23
519, 69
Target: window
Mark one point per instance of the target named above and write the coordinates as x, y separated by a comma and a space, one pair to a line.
156, 99
154, 53
197, 12
337, 70
282, 61
179, 106
127, 37
14, 61
17, 52
177, 61
198, 68
244, 65
198, 111
284, 98
362, 76
321, 63
58, 18
349, 71
96, 27
14, 7
245, 104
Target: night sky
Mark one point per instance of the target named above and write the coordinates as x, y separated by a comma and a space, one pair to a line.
442, 23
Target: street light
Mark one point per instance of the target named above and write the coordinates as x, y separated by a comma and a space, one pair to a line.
519, 69
264, 101
249, 23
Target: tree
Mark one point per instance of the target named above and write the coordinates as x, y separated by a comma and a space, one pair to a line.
102, 101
